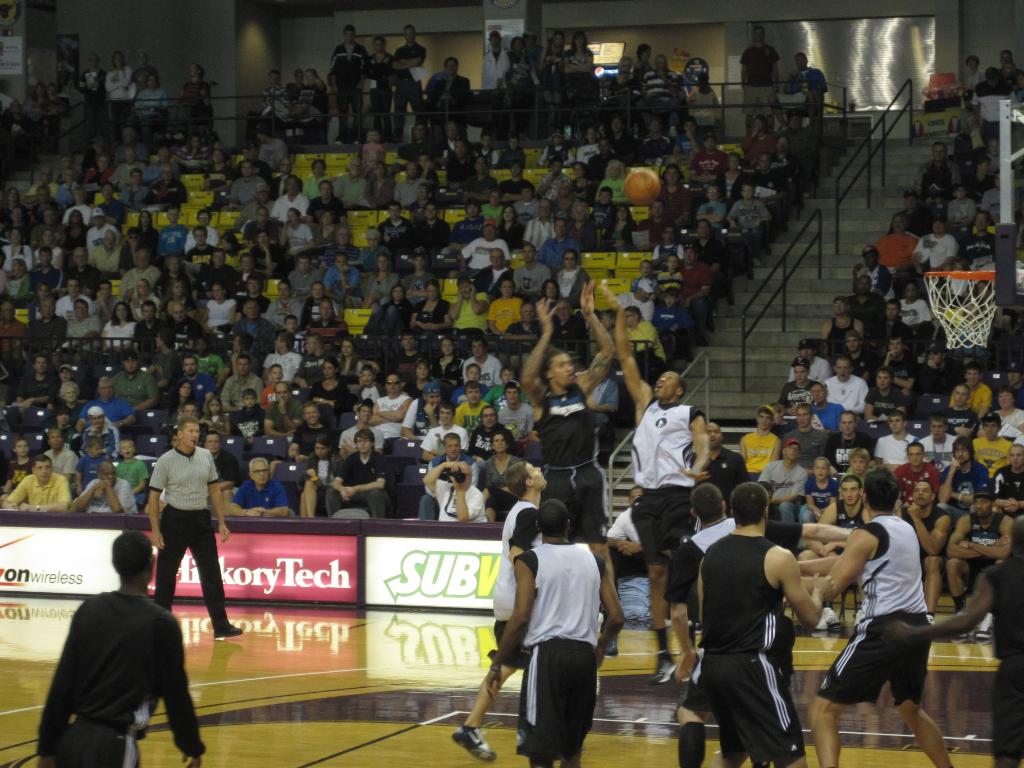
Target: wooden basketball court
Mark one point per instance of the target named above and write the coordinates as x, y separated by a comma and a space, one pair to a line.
307, 687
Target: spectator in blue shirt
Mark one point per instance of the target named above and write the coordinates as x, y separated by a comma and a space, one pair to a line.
88, 467
44, 273
173, 236
671, 320
552, 252
113, 208
962, 478
96, 425
260, 496
470, 228
827, 413
341, 281
820, 490
118, 412
203, 385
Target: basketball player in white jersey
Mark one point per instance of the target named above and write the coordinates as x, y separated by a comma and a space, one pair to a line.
670, 454
559, 590
526, 482
884, 557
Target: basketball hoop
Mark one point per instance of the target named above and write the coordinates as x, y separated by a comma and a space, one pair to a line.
964, 303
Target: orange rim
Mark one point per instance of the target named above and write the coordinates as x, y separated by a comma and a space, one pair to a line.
963, 275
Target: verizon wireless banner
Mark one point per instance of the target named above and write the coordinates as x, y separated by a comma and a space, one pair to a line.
293, 567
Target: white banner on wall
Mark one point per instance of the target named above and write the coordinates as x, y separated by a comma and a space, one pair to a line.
57, 560
431, 573
11, 56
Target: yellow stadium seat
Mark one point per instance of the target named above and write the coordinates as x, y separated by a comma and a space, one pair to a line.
21, 315
237, 159
359, 237
592, 261
194, 182
400, 177
731, 148
627, 274
115, 287
449, 288
391, 157
132, 219
363, 218
160, 219
534, 175
501, 174
532, 155
356, 320
517, 260
442, 178
270, 291
307, 158
454, 215
598, 273
202, 199
630, 260
639, 212
227, 218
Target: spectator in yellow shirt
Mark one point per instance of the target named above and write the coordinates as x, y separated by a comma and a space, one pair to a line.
42, 491
980, 397
467, 415
506, 309
469, 310
643, 334
762, 446
990, 449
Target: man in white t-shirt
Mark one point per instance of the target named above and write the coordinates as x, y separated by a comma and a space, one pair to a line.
891, 450
914, 311
845, 388
936, 250
284, 354
477, 255
66, 303
642, 297
452, 482
818, 368
389, 410
490, 366
433, 441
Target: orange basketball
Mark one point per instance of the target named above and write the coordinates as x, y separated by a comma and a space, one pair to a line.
643, 186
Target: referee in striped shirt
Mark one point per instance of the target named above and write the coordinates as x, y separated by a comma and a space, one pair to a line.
188, 477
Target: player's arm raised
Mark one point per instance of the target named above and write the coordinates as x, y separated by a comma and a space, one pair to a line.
780, 566
532, 383
860, 547
602, 361
638, 389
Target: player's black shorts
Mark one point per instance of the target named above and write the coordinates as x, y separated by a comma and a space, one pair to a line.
662, 516
582, 490
868, 661
752, 706
556, 704
1008, 709
517, 660
694, 698
87, 744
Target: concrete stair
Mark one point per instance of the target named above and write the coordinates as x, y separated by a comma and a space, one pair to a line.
770, 350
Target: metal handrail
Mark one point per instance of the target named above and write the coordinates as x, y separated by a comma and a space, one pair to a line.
787, 273
703, 384
865, 166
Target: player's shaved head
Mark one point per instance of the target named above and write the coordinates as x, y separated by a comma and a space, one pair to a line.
553, 518
707, 502
132, 555
1017, 536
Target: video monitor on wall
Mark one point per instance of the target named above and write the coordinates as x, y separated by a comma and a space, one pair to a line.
607, 53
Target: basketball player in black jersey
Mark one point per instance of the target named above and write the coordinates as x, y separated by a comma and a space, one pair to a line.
743, 579
979, 539
670, 455
123, 652
709, 507
566, 424
884, 557
998, 593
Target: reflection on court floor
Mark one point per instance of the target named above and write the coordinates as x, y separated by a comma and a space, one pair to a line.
306, 686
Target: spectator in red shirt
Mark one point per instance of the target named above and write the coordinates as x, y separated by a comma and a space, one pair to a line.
760, 74
695, 290
677, 198
653, 224
896, 251
710, 163
915, 471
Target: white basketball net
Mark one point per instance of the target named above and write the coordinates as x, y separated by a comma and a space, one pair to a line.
964, 308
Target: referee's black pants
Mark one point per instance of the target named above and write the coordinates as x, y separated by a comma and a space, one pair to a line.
191, 530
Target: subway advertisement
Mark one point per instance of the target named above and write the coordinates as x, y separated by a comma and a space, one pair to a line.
431, 573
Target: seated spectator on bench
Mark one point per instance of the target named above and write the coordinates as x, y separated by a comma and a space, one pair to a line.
107, 494
134, 471
787, 480
459, 500
42, 491
762, 446
630, 571
824, 414
452, 453
259, 496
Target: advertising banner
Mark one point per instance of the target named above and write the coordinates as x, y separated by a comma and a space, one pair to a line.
945, 123
264, 566
431, 573
59, 561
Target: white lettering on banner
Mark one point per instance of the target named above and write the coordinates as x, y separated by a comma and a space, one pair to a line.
289, 572
290, 635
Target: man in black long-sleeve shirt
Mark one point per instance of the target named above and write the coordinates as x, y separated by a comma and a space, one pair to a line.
348, 65
123, 652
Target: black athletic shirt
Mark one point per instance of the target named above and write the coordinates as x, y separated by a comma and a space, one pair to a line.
937, 514
122, 653
1009, 484
986, 535
566, 429
1008, 606
846, 520
741, 609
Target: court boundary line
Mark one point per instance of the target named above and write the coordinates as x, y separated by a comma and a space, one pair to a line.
379, 739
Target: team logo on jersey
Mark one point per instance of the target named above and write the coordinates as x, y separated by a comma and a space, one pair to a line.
661, 422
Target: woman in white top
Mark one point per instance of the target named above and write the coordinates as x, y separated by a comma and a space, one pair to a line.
297, 235
121, 327
49, 239
292, 198
220, 312
1012, 416
120, 89
17, 249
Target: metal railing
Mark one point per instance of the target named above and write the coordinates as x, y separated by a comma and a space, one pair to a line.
886, 122
615, 479
787, 272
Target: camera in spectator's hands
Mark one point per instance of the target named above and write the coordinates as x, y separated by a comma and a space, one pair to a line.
456, 476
